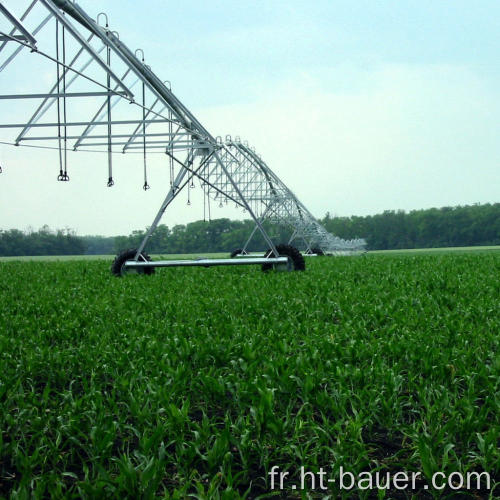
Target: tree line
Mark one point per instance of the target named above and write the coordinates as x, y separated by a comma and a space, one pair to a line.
218, 235
470, 225
41, 242
436, 227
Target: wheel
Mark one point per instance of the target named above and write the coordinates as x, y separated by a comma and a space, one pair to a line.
317, 251
236, 252
118, 268
296, 260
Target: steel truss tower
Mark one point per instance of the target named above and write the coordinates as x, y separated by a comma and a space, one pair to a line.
118, 104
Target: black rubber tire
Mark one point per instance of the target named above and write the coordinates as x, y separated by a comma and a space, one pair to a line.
318, 251
234, 253
123, 256
296, 258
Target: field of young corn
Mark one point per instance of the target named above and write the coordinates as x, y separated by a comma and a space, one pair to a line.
196, 382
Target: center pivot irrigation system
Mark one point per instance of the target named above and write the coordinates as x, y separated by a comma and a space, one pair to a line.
103, 97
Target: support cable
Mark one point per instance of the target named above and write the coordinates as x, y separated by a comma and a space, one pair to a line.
86, 150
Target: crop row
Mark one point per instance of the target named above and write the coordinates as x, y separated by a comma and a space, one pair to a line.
198, 381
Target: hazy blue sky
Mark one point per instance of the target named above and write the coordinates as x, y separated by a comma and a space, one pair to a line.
359, 106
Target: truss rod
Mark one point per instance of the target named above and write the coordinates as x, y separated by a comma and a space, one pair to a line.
139, 146
61, 94
81, 124
19, 25
11, 38
23, 44
117, 136
23, 17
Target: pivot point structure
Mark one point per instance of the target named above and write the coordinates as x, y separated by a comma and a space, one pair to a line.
104, 97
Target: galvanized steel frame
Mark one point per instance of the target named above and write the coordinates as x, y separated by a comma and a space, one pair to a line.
228, 169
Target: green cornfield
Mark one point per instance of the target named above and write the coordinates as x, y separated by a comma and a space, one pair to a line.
195, 383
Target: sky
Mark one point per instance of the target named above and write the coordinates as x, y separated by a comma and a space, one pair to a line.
358, 106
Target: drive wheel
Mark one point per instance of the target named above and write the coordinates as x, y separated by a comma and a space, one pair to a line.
236, 252
318, 251
118, 266
296, 260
